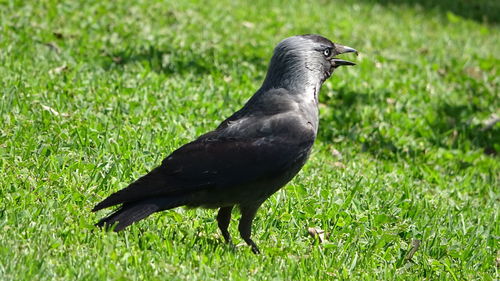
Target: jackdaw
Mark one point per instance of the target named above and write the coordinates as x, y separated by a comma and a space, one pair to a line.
250, 155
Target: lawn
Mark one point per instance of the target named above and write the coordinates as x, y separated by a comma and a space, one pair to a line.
96, 93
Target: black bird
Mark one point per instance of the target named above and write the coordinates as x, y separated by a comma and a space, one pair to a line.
250, 155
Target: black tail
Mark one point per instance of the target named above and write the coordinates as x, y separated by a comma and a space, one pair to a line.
150, 185
129, 213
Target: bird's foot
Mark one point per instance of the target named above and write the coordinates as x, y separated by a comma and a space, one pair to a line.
229, 242
254, 247
227, 237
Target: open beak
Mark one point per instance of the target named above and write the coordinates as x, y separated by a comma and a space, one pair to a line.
342, 50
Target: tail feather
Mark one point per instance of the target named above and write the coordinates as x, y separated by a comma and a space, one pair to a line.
132, 212
147, 186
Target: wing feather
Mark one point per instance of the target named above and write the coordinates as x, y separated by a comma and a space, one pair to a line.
213, 162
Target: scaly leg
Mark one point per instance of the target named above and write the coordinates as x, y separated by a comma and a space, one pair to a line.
223, 219
245, 227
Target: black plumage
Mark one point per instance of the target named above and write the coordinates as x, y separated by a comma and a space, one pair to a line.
250, 155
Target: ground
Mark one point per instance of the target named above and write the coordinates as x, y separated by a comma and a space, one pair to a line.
95, 93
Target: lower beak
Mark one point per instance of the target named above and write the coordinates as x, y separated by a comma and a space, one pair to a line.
339, 62
342, 50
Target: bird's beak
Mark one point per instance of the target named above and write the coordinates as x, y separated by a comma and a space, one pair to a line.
342, 50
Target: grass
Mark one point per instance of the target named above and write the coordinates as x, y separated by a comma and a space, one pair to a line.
96, 93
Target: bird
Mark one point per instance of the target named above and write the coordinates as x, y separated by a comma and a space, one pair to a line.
250, 155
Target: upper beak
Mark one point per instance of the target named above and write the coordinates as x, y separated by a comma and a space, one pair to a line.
342, 50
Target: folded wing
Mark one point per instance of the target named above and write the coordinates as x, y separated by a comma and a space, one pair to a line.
209, 163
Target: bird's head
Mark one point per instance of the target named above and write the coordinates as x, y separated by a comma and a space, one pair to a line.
306, 59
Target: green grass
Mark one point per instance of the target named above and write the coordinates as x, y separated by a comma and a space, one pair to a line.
96, 93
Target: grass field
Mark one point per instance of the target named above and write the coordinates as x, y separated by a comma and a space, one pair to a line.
96, 93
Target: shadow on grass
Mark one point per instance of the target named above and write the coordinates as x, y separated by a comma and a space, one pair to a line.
451, 129
180, 61
168, 61
454, 124
348, 125
487, 11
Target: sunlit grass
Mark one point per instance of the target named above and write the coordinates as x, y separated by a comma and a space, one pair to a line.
96, 93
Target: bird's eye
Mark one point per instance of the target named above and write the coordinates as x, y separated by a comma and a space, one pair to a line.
327, 52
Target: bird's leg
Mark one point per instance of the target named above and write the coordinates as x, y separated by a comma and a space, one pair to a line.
245, 227
223, 219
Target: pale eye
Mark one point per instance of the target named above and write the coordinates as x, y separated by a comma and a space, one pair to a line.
327, 52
